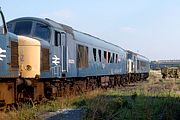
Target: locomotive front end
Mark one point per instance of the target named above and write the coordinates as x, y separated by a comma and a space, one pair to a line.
29, 57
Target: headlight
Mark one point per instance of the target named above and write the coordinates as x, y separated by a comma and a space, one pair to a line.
28, 68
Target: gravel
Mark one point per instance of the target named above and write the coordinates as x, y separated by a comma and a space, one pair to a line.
65, 114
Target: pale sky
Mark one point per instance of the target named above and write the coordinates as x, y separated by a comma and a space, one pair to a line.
149, 27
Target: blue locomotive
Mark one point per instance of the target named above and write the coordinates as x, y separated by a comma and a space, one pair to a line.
9, 71
55, 60
138, 66
69, 53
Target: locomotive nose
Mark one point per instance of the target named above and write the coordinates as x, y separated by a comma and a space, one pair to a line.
29, 57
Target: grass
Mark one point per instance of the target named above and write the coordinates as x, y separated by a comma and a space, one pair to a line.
39, 112
155, 99
121, 105
28, 112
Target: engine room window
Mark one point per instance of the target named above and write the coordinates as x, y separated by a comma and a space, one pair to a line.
42, 31
99, 52
105, 55
132, 66
116, 58
23, 28
94, 53
138, 64
82, 56
109, 56
113, 58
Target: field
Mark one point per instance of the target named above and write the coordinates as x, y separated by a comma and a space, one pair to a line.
154, 99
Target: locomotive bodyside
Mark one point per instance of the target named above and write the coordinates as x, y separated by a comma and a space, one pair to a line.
143, 64
8, 63
8, 51
103, 58
72, 53
138, 66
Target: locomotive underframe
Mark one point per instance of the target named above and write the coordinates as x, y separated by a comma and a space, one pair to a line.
33, 91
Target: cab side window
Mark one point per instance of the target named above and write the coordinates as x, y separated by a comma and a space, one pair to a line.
57, 38
42, 31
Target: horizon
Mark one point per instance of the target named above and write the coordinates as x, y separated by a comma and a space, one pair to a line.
149, 28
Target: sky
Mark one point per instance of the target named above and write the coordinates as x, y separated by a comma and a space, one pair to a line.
148, 27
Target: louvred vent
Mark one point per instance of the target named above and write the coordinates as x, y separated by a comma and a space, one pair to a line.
45, 59
14, 54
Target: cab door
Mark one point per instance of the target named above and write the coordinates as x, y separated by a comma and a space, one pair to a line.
59, 55
64, 52
56, 55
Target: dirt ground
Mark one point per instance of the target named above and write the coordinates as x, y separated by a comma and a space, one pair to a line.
158, 84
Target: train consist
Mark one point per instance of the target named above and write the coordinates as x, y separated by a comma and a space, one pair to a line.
46, 59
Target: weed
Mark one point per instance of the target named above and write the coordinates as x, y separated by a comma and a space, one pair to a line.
154, 99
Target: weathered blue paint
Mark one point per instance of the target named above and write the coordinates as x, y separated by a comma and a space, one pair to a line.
97, 68
146, 64
5, 52
141, 63
66, 53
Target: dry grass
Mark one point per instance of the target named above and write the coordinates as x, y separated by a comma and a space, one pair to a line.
8, 116
153, 99
138, 101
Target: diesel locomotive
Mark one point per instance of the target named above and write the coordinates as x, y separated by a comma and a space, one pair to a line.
44, 59
9, 71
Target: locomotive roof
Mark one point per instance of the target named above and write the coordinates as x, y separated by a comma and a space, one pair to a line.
78, 35
138, 55
86, 38
46, 21
74, 33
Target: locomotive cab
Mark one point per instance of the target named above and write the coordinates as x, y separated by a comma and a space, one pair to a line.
40, 56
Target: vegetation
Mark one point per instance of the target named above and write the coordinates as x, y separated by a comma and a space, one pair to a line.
154, 99
40, 111
136, 106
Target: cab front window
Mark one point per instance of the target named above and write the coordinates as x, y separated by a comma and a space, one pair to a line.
23, 28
